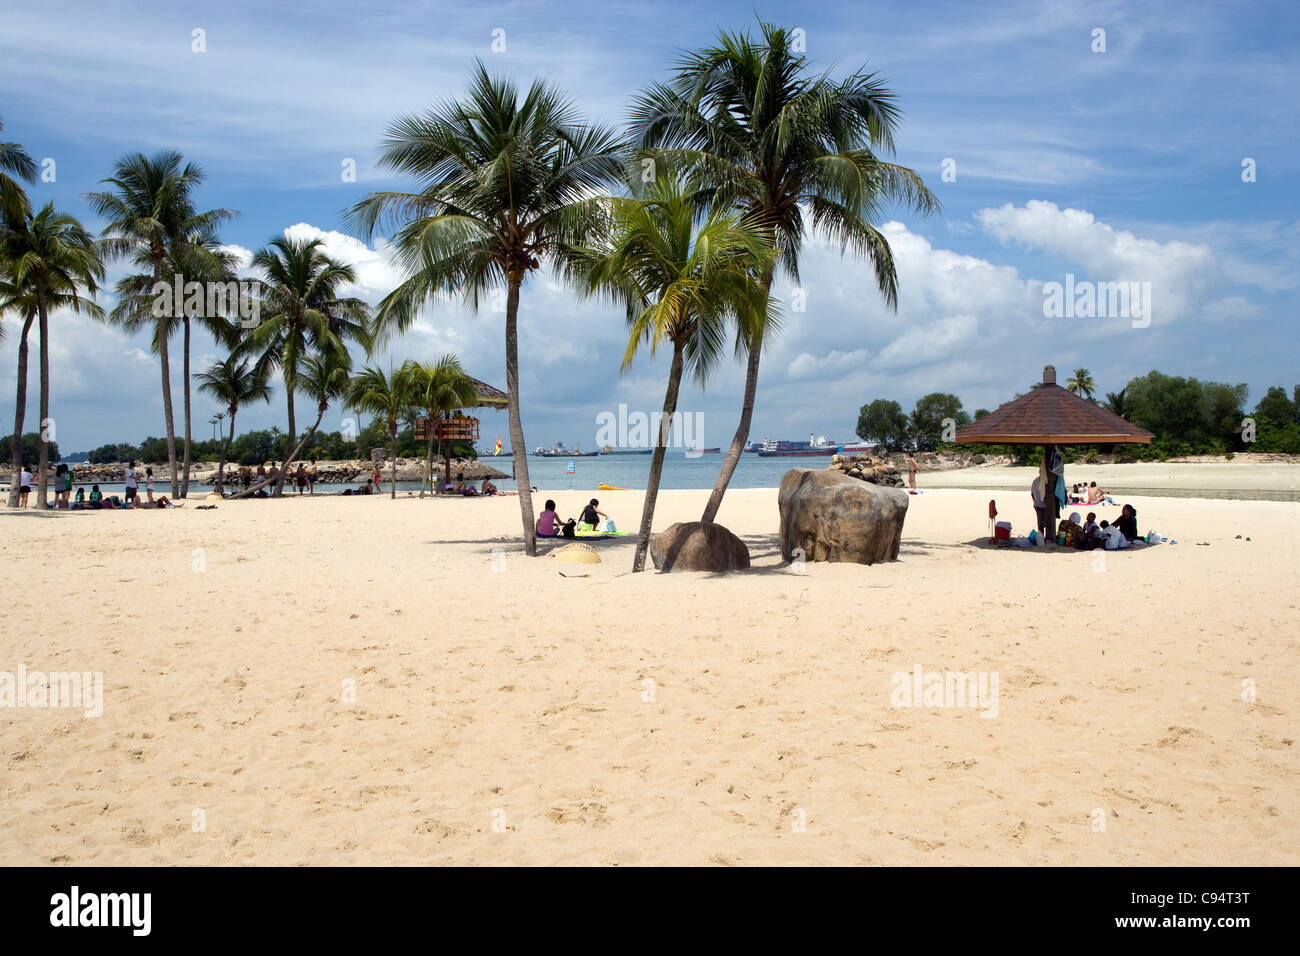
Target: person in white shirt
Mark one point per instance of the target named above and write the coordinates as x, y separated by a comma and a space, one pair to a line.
25, 482
148, 484
132, 483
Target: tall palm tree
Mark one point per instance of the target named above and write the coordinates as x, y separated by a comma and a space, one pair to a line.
53, 259
682, 276
795, 151
14, 162
1081, 384
151, 214
21, 301
198, 260
439, 388
302, 312
234, 383
389, 397
324, 376
505, 182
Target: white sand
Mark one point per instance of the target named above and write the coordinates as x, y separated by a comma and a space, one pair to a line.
520, 693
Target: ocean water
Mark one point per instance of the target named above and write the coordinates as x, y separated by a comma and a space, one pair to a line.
631, 471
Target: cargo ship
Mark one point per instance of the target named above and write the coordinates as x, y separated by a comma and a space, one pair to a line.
559, 451
611, 450
814, 447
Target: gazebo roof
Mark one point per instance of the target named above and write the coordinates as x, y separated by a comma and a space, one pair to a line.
1051, 415
488, 395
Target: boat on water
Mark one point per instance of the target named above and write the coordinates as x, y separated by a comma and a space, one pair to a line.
559, 451
814, 447
703, 451
611, 450
858, 448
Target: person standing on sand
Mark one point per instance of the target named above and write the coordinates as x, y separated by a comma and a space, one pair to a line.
300, 477
911, 470
148, 485
132, 483
312, 474
25, 481
375, 478
1040, 507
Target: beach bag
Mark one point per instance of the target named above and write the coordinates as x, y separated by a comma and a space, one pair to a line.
610, 526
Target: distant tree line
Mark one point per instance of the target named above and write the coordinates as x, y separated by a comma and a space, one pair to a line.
1187, 416
31, 448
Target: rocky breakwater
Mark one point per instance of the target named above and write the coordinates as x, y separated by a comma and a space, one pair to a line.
875, 471
358, 471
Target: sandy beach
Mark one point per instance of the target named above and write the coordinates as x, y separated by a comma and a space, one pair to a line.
504, 713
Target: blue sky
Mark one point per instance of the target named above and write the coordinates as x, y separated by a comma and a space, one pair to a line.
1122, 165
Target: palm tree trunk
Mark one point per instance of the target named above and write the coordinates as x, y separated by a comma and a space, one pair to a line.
428, 458
392, 453
517, 448
293, 431
742, 431
297, 449
44, 462
225, 450
20, 411
168, 417
657, 462
185, 481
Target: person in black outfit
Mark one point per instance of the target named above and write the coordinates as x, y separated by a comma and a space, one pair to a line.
1127, 523
591, 515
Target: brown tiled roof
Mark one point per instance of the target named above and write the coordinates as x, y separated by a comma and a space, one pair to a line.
489, 396
1050, 414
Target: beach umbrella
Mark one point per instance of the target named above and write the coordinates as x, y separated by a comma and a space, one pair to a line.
1050, 415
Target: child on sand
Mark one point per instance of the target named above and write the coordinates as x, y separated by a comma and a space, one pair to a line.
591, 515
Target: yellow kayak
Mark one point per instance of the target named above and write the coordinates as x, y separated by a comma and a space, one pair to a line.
605, 487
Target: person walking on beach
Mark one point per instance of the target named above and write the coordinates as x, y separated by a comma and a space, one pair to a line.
911, 470
25, 481
375, 478
131, 479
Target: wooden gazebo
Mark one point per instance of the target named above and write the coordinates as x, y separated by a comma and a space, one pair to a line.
1050, 415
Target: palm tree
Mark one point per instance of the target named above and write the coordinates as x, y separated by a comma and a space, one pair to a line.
796, 152
681, 279
505, 182
151, 214
325, 377
1081, 384
385, 396
14, 162
1117, 402
234, 383
197, 260
302, 312
21, 301
51, 258
440, 388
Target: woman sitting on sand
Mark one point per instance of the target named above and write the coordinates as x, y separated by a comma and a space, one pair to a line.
487, 488
548, 522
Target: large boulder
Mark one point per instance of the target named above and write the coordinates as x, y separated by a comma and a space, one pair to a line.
833, 517
698, 546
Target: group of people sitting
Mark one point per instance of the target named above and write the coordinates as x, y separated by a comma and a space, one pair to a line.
462, 487
1089, 494
95, 501
1090, 534
550, 525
